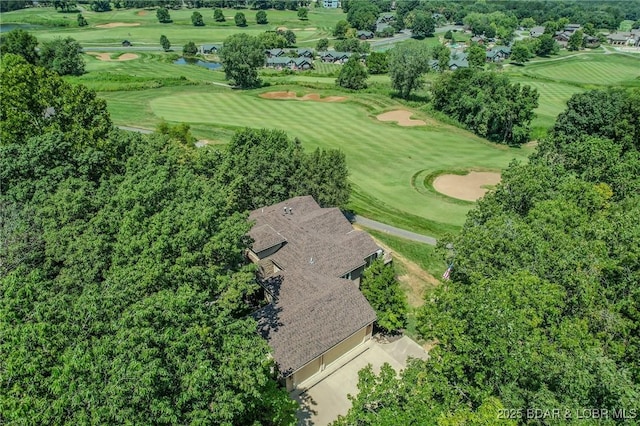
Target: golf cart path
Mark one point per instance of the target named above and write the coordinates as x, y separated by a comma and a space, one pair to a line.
398, 232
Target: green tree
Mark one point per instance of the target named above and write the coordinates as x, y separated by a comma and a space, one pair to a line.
352, 44
486, 103
382, 290
442, 54
449, 36
547, 46
196, 19
303, 14
271, 40
241, 56
23, 43
261, 17
520, 53
163, 16
165, 43
189, 50
407, 64
528, 22
362, 15
100, 5
423, 25
240, 20
476, 56
63, 56
576, 40
378, 63
82, 22
322, 45
218, 15
340, 30
290, 36
36, 101
353, 75
324, 175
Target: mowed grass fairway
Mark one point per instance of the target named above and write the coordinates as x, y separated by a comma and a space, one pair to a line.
320, 24
588, 69
382, 157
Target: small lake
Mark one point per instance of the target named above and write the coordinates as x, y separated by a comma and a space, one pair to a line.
5, 28
209, 65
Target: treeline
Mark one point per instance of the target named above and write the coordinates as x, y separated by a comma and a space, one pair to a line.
542, 310
62, 55
122, 268
487, 104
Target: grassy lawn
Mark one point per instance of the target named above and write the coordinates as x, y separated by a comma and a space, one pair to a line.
382, 157
320, 23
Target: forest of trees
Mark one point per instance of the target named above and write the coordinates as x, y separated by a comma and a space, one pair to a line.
122, 268
542, 310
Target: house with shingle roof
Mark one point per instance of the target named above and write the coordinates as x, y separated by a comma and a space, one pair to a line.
334, 57
310, 260
282, 62
206, 49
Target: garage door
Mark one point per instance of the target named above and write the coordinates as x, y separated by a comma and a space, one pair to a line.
305, 372
343, 347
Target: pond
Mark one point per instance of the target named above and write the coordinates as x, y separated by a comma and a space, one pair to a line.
5, 28
209, 65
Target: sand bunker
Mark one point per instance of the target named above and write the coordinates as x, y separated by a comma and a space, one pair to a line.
142, 13
118, 24
402, 117
107, 58
308, 97
468, 187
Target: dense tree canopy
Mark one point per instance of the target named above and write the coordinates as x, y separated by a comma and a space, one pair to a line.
362, 15
382, 290
241, 56
542, 309
163, 16
353, 74
408, 61
487, 104
23, 43
122, 267
265, 167
62, 55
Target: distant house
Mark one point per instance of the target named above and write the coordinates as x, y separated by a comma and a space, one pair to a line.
498, 53
364, 34
458, 60
536, 32
126, 43
631, 38
208, 49
480, 39
286, 62
334, 57
303, 52
310, 260
331, 4
274, 53
571, 28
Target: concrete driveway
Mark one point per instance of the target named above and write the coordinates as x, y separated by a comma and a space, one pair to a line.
324, 401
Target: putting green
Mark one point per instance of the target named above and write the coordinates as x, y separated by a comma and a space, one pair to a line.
382, 157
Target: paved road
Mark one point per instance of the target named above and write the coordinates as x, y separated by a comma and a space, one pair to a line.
398, 232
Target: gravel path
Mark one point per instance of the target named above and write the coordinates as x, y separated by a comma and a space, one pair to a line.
379, 226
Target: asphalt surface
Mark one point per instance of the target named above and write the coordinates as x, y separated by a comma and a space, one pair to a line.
398, 232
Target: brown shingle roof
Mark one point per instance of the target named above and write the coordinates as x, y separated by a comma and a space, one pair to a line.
265, 237
313, 309
321, 240
309, 315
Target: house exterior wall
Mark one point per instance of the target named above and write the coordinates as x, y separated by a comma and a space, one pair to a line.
329, 357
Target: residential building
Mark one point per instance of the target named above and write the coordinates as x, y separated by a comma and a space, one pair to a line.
310, 261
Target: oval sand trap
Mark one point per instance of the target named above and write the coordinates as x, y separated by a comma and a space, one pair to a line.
107, 58
468, 187
402, 117
308, 97
118, 24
